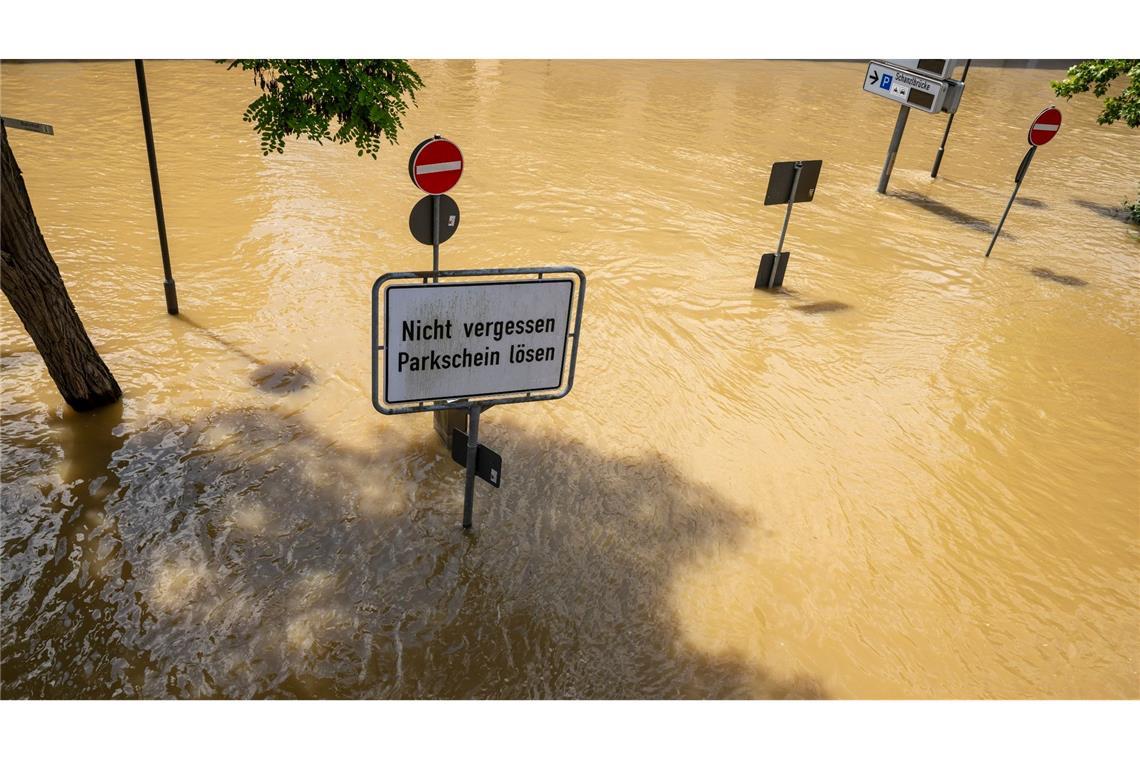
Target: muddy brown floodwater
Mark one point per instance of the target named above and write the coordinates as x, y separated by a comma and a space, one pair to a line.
914, 473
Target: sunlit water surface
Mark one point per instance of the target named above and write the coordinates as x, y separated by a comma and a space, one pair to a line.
912, 473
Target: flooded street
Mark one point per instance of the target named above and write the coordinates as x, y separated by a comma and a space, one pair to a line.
913, 473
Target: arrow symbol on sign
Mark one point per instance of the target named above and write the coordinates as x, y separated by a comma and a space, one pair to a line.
874, 76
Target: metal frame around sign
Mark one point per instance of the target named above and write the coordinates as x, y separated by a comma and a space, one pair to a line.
486, 400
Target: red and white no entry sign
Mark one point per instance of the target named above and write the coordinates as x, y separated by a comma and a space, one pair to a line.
436, 165
1045, 127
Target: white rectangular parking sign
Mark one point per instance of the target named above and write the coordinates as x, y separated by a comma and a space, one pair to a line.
456, 340
906, 87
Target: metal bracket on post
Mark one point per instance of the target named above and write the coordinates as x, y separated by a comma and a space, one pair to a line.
893, 149
787, 216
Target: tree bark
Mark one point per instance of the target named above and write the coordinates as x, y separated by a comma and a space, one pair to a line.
31, 281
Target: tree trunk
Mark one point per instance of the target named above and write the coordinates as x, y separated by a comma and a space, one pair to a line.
32, 283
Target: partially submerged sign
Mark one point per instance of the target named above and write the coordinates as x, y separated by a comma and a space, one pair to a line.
905, 81
790, 182
472, 344
449, 343
1042, 129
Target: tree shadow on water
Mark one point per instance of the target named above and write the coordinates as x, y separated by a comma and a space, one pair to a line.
269, 561
1109, 212
56, 578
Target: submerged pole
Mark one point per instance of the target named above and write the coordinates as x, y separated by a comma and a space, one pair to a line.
472, 453
946, 134
892, 151
168, 281
1021, 170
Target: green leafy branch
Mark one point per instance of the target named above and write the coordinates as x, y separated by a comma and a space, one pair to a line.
345, 101
1098, 76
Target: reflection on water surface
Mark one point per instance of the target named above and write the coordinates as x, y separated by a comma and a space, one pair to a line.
912, 473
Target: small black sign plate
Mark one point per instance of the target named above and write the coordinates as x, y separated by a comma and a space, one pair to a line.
419, 221
780, 182
765, 273
488, 464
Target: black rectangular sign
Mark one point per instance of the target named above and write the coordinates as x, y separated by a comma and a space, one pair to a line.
780, 182
488, 464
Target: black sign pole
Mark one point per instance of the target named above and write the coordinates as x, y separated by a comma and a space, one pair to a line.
946, 134
787, 215
892, 151
435, 238
472, 457
1021, 170
168, 282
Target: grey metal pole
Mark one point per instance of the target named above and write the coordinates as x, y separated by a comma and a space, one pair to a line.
472, 452
1021, 170
442, 421
435, 238
168, 281
946, 134
787, 215
892, 151
435, 231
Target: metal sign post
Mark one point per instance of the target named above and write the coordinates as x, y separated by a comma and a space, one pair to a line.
949, 123
909, 83
474, 344
168, 277
790, 182
1043, 129
435, 238
893, 148
784, 230
1017, 185
914, 90
435, 166
472, 454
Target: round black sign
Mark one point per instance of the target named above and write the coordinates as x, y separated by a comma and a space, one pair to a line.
420, 220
